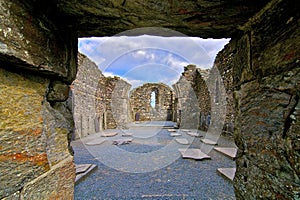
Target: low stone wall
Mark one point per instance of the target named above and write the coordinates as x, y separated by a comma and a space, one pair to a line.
140, 103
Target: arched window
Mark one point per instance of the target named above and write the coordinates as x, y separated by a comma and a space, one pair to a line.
153, 99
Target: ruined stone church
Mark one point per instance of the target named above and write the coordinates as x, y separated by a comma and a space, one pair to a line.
39, 62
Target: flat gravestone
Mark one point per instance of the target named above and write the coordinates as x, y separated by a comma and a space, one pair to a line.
122, 141
96, 141
193, 134
228, 173
195, 154
208, 141
83, 170
112, 134
172, 130
127, 135
228, 151
182, 141
175, 134
185, 130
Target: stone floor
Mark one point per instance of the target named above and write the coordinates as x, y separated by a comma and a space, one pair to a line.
151, 166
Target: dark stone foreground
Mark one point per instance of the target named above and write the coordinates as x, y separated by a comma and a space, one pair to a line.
183, 179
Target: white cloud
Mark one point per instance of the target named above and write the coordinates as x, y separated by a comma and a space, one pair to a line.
174, 62
149, 58
109, 74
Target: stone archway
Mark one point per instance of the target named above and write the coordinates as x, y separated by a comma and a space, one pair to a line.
38, 48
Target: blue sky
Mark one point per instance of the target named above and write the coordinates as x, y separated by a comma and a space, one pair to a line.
147, 58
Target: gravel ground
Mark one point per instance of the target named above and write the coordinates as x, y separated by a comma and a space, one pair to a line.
162, 174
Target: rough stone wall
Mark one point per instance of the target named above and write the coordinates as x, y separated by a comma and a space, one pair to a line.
221, 78
267, 84
36, 68
141, 109
120, 104
208, 19
99, 102
113, 102
188, 111
84, 94
193, 108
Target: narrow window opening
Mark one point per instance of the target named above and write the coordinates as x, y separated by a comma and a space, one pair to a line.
153, 99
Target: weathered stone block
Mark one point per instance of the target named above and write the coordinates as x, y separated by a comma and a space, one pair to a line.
14, 196
58, 91
266, 137
22, 143
242, 71
58, 183
274, 37
57, 129
31, 42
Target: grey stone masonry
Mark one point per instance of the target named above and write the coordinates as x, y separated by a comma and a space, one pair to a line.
162, 108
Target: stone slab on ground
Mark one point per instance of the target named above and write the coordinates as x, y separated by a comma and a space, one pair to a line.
195, 154
175, 134
228, 173
182, 141
228, 151
83, 170
111, 134
172, 130
185, 130
96, 141
208, 141
127, 134
122, 141
193, 134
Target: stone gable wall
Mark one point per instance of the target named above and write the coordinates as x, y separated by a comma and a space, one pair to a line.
141, 109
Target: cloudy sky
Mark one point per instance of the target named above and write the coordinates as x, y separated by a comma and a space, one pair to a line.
142, 59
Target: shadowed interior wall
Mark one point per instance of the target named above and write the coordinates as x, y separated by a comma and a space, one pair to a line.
266, 77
